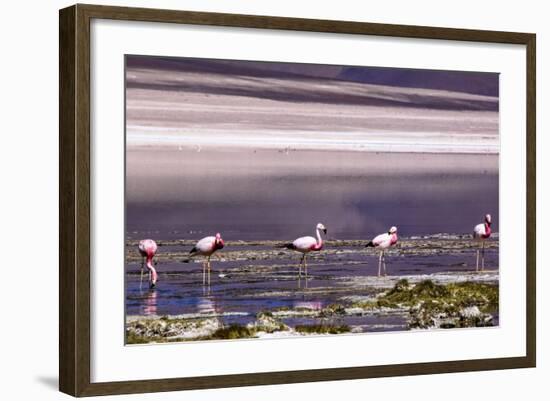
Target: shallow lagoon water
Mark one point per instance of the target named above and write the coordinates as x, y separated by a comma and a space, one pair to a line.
259, 199
271, 283
269, 195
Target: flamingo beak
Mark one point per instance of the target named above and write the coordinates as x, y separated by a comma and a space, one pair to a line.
325, 230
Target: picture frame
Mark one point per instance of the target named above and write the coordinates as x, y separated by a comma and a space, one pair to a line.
75, 204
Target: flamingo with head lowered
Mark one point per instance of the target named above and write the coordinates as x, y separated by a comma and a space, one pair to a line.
306, 245
147, 249
481, 233
206, 247
383, 242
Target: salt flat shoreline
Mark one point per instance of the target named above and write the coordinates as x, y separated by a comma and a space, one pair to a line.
268, 249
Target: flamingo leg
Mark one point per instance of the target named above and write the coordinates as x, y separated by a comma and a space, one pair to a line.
141, 275
209, 271
204, 289
482, 256
380, 264
477, 260
384, 261
305, 268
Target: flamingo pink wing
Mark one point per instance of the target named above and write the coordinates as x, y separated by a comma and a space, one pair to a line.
304, 243
206, 244
479, 231
380, 239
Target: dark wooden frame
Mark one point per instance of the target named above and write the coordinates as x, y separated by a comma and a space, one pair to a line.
74, 199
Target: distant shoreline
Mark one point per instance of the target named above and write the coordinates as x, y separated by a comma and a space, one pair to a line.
176, 143
204, 108
356, 141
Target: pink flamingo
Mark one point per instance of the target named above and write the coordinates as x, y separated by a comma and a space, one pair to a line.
306, 245
481, 233
147, 249
206, 247
383, 242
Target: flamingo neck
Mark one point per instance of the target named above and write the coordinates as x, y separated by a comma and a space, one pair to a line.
319, 241
487, 230
153, 271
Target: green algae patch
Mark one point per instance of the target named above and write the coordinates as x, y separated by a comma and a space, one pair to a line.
265, 322
444, 306
405, 294
174, 329
366, 305
457, 294
233, 332
333, 309
167, 329
292, 309
467, 305
484, 296
322, 329
133, 338
432, 305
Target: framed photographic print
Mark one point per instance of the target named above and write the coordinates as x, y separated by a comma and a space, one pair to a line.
250, 200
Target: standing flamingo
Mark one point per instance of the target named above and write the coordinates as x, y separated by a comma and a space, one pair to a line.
306, 245
206, 247
383, 242
147, 249
481, 233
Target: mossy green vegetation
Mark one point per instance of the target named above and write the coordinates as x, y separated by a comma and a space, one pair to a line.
466, 304
265, 322
134, 338
404, 293
171, 329
464, 294
293, 309
323, 329
233, 332
444, 306
333, 309
165, 329
484, 296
